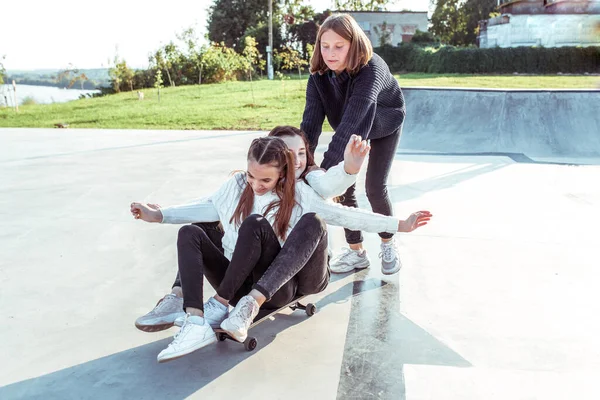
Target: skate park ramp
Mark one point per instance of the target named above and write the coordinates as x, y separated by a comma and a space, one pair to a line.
530, 124
496, 299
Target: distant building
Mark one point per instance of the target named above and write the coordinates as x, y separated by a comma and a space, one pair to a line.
401, 25
547, 23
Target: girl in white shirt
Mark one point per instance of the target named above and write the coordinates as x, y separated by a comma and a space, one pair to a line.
169, 310
274, 231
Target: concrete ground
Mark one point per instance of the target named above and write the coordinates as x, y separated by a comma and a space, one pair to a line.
497, 298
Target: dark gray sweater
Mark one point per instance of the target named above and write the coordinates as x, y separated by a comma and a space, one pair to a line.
369, 104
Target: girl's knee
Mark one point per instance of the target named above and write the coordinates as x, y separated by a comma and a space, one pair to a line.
313, 221
189, 233
253, 220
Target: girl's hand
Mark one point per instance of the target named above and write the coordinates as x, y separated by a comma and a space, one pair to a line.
146, 212
416, 220
355, 153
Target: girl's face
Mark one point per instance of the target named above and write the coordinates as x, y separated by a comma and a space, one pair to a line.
334, 50
262, 178
297, 146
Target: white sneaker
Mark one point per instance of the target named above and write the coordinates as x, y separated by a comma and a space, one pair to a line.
214, 313
390, 260
240, 318
349, 260
193, 335
163, 315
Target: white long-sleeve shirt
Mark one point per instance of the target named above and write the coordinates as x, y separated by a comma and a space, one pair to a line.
221, 205
331, 183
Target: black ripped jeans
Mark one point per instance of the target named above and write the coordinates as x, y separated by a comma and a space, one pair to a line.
259, 262
381, 158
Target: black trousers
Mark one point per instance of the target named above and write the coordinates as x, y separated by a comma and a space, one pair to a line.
280, 273
381, 158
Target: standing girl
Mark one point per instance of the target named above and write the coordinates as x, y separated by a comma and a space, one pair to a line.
354, 89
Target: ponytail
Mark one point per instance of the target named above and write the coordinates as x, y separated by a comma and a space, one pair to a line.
271, 150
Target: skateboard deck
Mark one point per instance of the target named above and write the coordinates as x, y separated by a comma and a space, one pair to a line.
250, 343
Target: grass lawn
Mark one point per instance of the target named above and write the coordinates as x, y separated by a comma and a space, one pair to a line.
232, 105
501, 81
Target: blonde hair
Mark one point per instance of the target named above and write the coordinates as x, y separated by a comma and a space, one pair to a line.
360, 51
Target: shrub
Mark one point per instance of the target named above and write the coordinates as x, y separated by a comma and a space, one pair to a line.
410, 57
28, 101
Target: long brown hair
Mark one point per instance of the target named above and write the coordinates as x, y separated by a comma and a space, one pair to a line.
272, 151
290, 131
361, 50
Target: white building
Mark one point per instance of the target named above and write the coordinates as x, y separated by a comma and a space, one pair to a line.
547, 23
400, 25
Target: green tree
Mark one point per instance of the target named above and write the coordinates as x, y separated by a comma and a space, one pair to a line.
194, 52
362, 5
310, 49
121, 75
260, 33
221, 63
163, 59
448, 22
456, 22
300, 26
71, 75
296, 11
251, 57
475, 11
127, 74
158, 81
171, 54
229, 20
291, 59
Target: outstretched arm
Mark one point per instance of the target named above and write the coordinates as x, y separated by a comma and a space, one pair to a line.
358, 219
336, 180
202, 211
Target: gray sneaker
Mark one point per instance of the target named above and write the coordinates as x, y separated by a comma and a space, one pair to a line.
390, 260
349, 260
162, 316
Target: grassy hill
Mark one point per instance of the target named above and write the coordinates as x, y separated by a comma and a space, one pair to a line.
232, 105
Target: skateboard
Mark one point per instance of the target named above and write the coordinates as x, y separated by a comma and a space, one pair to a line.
250, 343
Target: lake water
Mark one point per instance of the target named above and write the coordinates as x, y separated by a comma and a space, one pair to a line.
41, 94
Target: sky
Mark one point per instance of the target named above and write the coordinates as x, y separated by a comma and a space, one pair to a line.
42, 34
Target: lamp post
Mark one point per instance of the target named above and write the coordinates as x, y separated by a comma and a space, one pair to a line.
270, 46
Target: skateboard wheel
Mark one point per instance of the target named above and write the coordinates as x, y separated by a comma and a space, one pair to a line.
250, 343
311, 309
221, 336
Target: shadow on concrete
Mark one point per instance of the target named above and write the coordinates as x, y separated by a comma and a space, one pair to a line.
134, 373
400, 193
380, 341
